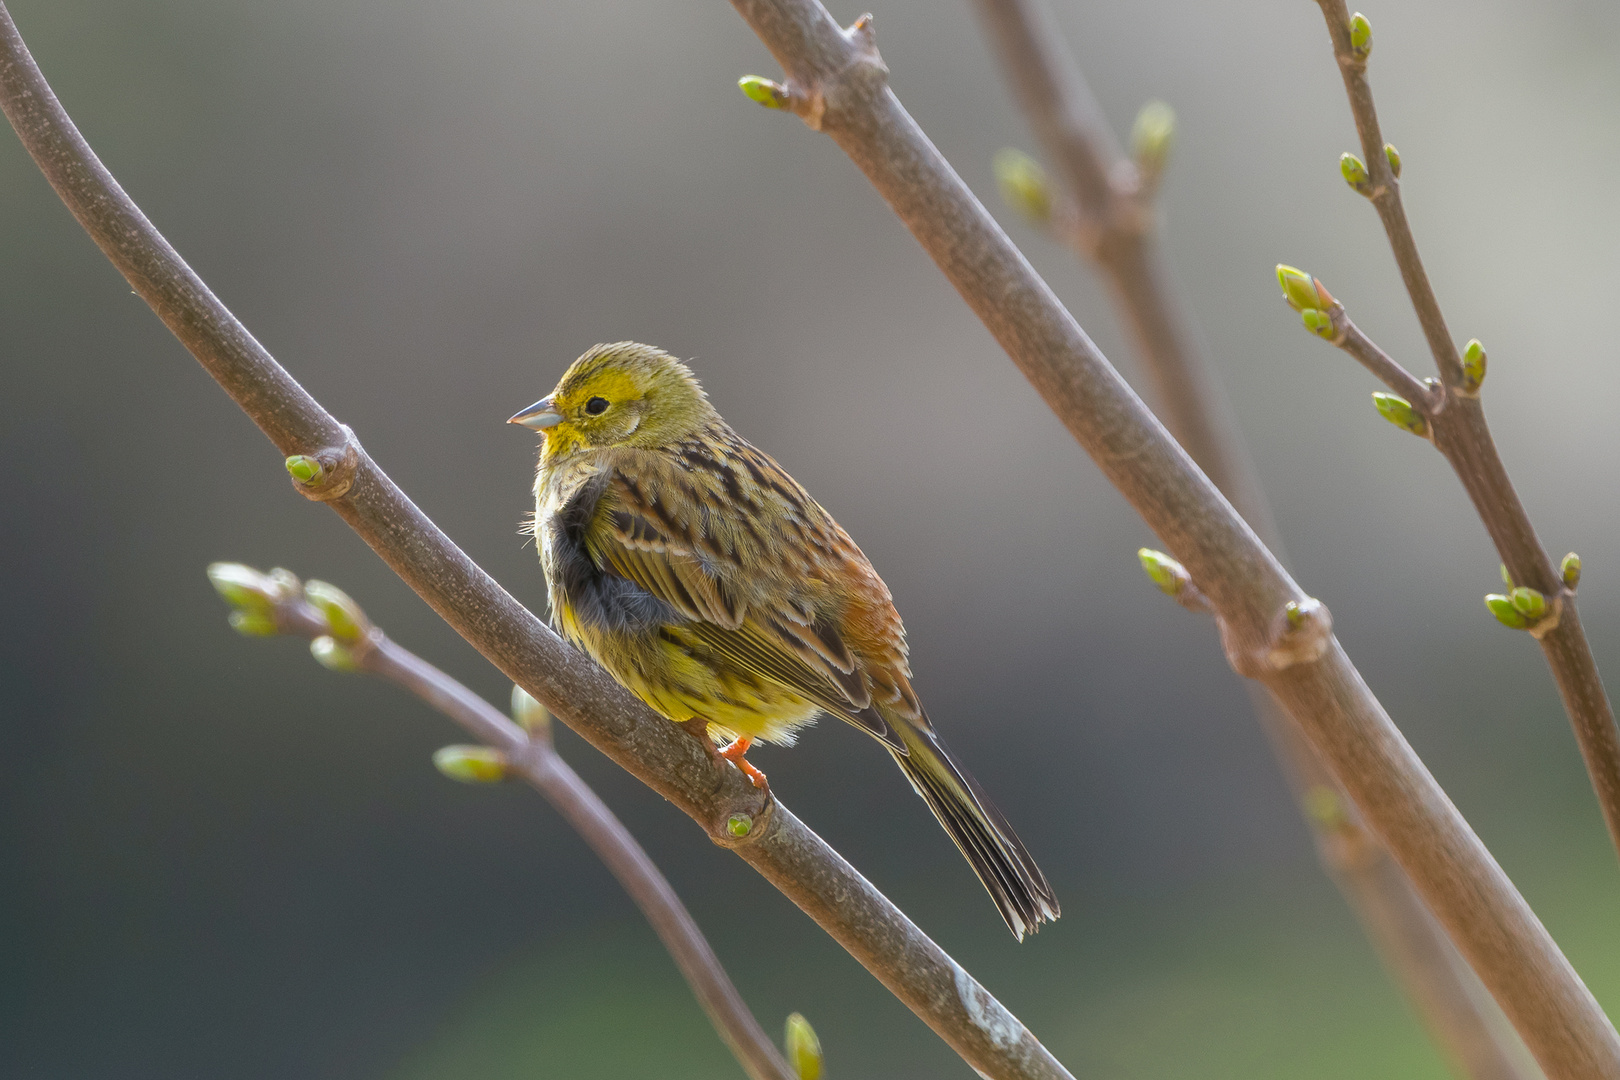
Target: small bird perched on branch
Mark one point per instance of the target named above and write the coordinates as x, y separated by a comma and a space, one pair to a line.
712, 586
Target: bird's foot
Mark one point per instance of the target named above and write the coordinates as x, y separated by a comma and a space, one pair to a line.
733, 752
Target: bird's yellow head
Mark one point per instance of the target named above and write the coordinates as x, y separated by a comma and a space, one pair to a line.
624, 394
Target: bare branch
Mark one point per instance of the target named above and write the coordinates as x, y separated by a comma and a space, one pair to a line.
1270, 629
1115, 237
787, 853
352, 642
1066, 122
1461, 433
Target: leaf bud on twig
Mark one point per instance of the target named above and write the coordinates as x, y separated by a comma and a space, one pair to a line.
471, 764
343, 616
1151, 136
1570, 571
1360, 36
1325, 807
1399, 411
1354, 173
244, 587
1319, 323
1301, 291
304, 469
1505, 612
740, 825
1170, 576
250, 623
532, 716
801, 1047
772, 95
1023, 184
1473, 364
1394, 157
1528, 602
332, 655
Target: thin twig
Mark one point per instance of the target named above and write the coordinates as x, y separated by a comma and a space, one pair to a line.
774, 842
1457, 421
530, 754
837, 83
1108, 193
1383, 366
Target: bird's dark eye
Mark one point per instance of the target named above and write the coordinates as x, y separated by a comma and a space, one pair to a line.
596, 406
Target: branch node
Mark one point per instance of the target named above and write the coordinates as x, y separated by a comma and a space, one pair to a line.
328, 473
1300, 634
743, 822
1548, 622
864, 75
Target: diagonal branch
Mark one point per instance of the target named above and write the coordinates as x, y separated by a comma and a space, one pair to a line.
1118, 238
345, 639
836, 81
764, 833
1457, 420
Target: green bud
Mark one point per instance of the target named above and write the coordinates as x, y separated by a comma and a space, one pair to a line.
1507, 578
471, 764
1319, 323
1294, 613
802, 1048
1301, 291
739, 825
332, 655
1360, 35
343, 616
772, 95
1151, 135
1354, 173
242, 586
1473, 364
254, 623
1529, 603
1170, 576
1399, 411
1394, 157
304, 469
1324, 807
1505, 612
1023, 184
528, 712
1570, 571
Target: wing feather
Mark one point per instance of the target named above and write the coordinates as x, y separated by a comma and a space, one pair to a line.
788, 642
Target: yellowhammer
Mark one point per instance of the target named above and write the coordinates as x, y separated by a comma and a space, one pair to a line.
707, 581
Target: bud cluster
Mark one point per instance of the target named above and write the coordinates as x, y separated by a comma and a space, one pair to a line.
1309, 297
1521, 607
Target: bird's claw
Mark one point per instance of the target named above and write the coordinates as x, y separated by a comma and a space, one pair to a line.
733, 752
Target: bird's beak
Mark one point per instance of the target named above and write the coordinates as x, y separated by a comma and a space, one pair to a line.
539, 416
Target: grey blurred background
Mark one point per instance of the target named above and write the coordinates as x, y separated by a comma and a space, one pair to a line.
217, 858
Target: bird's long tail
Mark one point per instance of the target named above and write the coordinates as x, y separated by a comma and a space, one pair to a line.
1016, 884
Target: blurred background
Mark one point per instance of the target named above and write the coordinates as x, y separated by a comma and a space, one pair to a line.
217, 858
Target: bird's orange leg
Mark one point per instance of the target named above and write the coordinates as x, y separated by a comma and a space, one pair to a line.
733, 752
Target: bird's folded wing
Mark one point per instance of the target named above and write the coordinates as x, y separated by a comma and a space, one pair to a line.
782, 643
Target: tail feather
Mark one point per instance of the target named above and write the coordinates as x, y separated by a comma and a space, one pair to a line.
1015, 883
